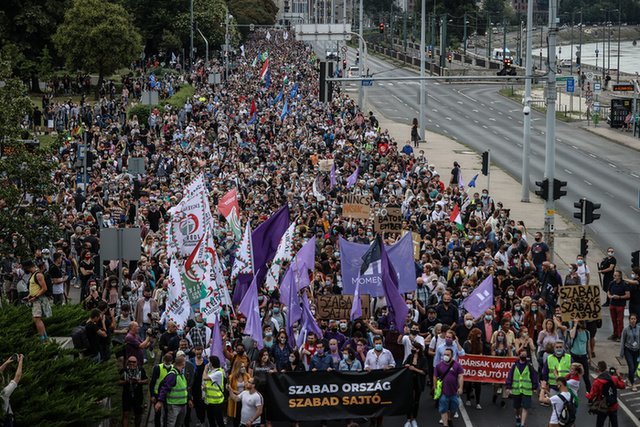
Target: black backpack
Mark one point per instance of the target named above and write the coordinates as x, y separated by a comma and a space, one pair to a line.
47, 279
79, 337
610, 393
567, 415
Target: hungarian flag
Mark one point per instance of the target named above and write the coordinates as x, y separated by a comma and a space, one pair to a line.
265, 69
253, 108
455, 217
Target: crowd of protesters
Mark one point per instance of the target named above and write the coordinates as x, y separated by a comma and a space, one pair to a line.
273, 159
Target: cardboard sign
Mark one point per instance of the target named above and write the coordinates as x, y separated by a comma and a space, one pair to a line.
581, 302
338, 307
325, 165
356, 207
486, 369
416, 240
391, 222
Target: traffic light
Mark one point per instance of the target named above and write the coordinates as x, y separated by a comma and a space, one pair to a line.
544, 189
344, 64
430, 53
580, 214
382, 27
449, 57
558, 191
584, 246
507, 62
485, 163
635, 259
589, 211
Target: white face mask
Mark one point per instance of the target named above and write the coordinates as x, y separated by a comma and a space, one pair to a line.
446, 358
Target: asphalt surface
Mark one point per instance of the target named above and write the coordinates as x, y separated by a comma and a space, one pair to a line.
477, 116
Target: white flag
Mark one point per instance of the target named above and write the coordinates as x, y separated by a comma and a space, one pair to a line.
242, 50
319, 197
284, 253
268, 37
285, 35
243, 262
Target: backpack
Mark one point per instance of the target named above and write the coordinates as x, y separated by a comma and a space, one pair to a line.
567, 415
610, 393
79, 337
47, 279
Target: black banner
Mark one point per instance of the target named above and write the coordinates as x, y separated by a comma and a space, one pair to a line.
312, 396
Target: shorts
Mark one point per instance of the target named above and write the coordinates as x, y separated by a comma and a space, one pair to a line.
448, 404
41, 307
521, 401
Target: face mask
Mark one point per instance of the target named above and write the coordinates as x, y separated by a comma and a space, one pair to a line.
488, 318
345, 356
500, 339
292, 358
478, 237
518, 309
579, 262
409, 306
343, 326
378, 347
468, 323
243, 371
276, 310
465, 294
167, 366
283, 340
610, 253
333, 347
448, 341
523, 357
510, 293
446, 358
414, 332
534, 309
320, 351
558, 352
180, 332
527, 265
199, 324
268, 334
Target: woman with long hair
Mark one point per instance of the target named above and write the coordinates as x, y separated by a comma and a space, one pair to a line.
416, 362
473, 345
237, 381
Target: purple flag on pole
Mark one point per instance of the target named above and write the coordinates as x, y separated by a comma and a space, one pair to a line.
300, 266
353, 178
308, 322
332, 175
292, 301
481, 299
249, 307
356, 307
216, 342
395, 301
242, 284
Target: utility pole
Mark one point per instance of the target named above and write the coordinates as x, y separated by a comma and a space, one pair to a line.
361, 61
571, 57
226, 46
550, 147
619, 25
464, 36
526, 139
423, 84
504, 40
404, 27
191, 50
443, 41
490, 31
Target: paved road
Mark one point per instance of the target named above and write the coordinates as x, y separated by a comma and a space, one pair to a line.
477, 116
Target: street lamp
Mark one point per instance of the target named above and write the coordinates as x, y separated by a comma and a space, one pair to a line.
619, 25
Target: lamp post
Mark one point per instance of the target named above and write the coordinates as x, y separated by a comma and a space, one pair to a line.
226, 45
421, 121
619, 30
464, 37
526, 143
191, 43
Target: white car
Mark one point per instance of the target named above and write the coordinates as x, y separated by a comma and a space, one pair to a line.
354, 71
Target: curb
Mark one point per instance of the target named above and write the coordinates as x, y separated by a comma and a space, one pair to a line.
609, 138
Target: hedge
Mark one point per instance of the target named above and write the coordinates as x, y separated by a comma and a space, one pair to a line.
179, 98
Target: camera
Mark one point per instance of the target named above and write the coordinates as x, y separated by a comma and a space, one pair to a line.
526, 110
154, 330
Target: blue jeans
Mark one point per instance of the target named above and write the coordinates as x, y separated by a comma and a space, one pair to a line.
632, 362
448, 404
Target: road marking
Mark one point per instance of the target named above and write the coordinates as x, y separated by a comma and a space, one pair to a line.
445, 131
476, 122
492, 119
633, 398
575, 147
485, 126
520, 121
430, 121
507, 138
448, 118
588, 183
628, 393
482, 105
510, 118
519, 145
612, 165
460, 102
500, 112
454, 138
390, 84
634, 175
434, 110
491, 108
467, 117
558, 139
568, 171
495, 133
593, 155
475, 111
465, 416
613, 197
437, 125
634, 208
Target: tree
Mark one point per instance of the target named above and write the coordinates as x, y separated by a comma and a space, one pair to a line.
27, 219
257, 12
97, 36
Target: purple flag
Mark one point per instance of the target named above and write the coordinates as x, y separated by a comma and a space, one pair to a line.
300, 266
308, 322
292, 301
332, 175
249, 307
265, 240
481, 299
356, 307
216, 342
353, 178
395, 302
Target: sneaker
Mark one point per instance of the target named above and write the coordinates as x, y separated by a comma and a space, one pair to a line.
440, 420
407, 424
414, 423
467, 403
456, 415
478, 407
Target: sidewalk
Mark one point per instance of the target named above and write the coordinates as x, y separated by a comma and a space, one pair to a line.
442, 151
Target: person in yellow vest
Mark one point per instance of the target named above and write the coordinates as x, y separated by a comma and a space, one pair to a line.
557, 365
521, 383
174, 394
157, 375
40, 304
213, 385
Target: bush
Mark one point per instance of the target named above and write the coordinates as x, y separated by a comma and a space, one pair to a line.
180, 97
142, 111
57, 388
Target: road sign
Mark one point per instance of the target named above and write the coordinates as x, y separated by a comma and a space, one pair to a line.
563, 78
367, 83
623, 88
597, 87
344, 49
596, 107
571, 87
589, 75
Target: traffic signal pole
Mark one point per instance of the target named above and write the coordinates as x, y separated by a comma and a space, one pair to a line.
550, 147
423, 83
526, 144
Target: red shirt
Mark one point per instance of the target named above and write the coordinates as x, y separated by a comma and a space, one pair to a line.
599, 383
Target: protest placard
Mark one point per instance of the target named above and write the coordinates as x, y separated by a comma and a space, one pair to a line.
325, 165
581, 302
356, 206
416, 240
486, 369
391, 222
339, 306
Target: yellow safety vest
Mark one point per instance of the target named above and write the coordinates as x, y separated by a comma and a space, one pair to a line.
213, 393
562, 366
521, 382
178, 395
163, 373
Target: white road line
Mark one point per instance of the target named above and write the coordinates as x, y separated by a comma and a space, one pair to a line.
588, 183
612, 165
390, 84
613, 197
507, 138
520, 121
475, 111
467, 117
430, 121
437, 125
495, 133
460, 102
635, 176
476, 122
448, 118
568, 171
485, 126
632, 398
465, 416
434, 110
445, 131
492, 119
593, 155
634, 208
519, 145
510, 118
558, 139
500, 112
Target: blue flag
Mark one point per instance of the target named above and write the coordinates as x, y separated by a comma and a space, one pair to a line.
285, 110
294, 91
472, 183
278, 98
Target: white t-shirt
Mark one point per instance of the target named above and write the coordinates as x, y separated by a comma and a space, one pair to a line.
6, 394
406, 343
557, 404
250, 404
582, 271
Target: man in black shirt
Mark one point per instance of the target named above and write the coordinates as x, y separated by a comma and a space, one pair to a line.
95, 330
57, 278
606, 268
154, 215
447, 311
